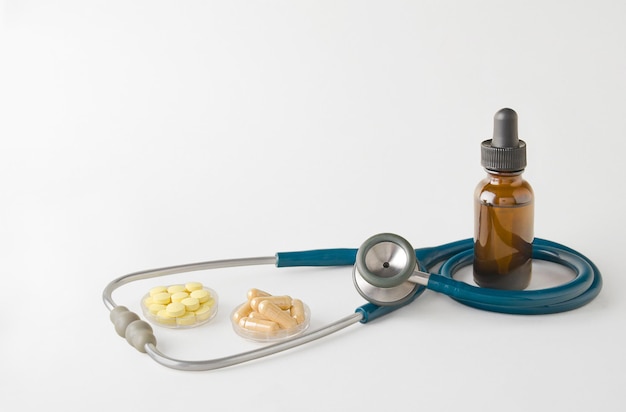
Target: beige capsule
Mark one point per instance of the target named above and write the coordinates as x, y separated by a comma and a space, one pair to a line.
258, 325
243, 311
257, 315
283, 302
253, 293
276, 314
297, 311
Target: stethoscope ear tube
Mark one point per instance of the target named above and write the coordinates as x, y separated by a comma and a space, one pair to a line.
319, 257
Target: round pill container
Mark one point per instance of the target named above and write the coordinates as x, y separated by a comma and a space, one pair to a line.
261, 329
180, 306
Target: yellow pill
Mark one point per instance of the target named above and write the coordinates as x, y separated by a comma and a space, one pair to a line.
191, 286
179, 296
258, 325
175, 288
175, 309
274, 313
203, 312
162, 298
157, 289
148, 301
297, 311
202, 295
243, 311
156, 308
283, 302
163, 317
187, 319
253, 293
191, 304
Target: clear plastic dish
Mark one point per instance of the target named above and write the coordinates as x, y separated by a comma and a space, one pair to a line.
157, 315
262, 336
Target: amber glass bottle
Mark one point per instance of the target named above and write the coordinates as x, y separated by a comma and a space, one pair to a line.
503, 210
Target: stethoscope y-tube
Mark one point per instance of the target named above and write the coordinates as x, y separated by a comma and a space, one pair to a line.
390, 274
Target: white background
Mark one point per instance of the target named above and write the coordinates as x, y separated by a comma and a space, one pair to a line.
140, 134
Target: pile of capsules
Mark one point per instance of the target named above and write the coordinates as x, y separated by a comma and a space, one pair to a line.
267, 317
185, 305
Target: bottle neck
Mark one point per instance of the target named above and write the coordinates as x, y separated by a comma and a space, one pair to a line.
504, 177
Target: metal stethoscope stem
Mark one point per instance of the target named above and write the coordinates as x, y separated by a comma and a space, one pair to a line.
389, 273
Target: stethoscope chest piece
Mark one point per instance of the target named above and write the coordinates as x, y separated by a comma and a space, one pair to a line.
383, 265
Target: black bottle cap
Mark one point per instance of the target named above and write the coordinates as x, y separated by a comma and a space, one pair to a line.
505, 152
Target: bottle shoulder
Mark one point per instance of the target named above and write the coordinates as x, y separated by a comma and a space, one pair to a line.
507, 191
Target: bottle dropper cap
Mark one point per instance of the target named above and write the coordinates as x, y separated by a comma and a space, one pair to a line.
505, 152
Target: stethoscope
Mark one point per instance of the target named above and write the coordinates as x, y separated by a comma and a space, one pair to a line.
389, 273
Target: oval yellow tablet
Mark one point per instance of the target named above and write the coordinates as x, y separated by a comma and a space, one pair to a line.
175, 288
164, 318
161, 298
191, 286
157, 289
202, 295
156, 308
191, 304
179, 296
203, 312
175, 309
187, 319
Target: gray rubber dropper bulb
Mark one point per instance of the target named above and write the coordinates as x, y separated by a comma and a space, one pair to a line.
505, 152
505, 129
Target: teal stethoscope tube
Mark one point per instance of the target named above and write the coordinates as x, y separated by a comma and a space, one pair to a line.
585, 286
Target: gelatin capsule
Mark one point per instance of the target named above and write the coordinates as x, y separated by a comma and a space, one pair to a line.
253, 293
283, 302
276, 314
258, 325
257, 315
297, 311
243, 311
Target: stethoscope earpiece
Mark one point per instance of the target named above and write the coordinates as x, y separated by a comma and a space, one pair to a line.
383, 265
